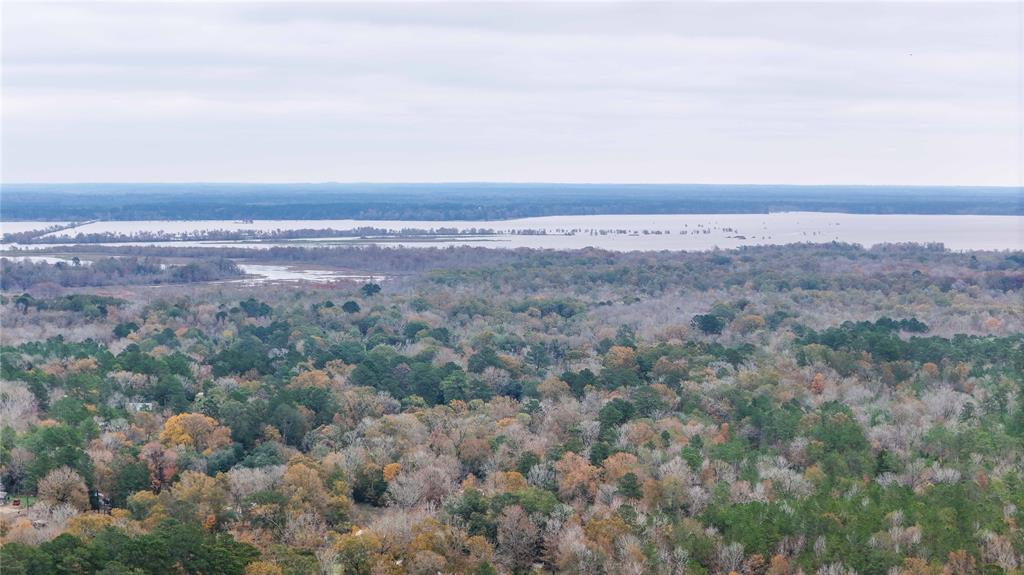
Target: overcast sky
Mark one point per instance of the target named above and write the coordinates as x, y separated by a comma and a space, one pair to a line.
845, 93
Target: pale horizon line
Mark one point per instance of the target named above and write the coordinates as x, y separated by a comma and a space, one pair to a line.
492, 183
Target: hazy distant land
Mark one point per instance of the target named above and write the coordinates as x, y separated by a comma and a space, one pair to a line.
475, 201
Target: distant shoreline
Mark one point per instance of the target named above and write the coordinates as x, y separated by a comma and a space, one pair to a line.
481, 202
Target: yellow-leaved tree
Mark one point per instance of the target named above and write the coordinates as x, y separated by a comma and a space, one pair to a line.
197, 431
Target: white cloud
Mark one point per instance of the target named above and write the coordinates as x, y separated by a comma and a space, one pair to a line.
697, 92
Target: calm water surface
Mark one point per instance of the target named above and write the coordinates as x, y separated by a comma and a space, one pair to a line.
612, 232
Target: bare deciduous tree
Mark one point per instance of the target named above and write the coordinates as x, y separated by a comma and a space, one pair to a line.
517, 537
17, 405
64, 486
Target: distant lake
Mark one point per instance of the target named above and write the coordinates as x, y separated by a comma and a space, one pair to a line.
612, 232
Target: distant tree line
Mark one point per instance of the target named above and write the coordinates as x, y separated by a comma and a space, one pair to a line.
479, 201
23, 274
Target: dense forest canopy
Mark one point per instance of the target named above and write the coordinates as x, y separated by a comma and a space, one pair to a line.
819, 409
478, 201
